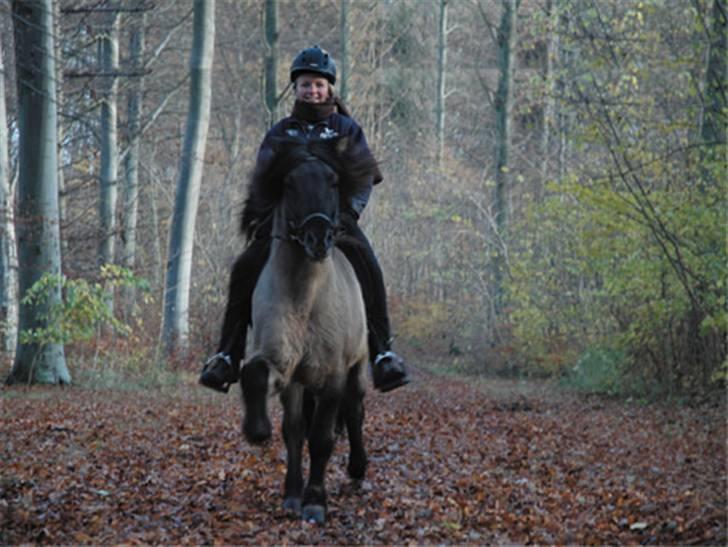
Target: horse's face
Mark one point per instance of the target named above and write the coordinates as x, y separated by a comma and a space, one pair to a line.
311, 206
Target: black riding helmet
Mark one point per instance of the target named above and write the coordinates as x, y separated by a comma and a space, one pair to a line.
316, 60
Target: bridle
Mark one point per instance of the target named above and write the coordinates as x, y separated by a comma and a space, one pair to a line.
295, 231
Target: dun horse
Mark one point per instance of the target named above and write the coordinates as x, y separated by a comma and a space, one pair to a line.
309, 336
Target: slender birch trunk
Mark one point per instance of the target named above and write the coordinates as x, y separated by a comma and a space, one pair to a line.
344, 61
175, 326
39, 247
270, 84
109, 62
441, 64
131, 161
60, 98
8, 259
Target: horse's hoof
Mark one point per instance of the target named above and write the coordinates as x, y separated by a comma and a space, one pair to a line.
292, 505
357, 469
314, 514
257, 433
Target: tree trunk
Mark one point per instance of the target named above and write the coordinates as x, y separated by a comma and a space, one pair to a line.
503, 104
179, 260
441, 63
8, 260
39, 248
344, 57
131, 161
60, 98
151, 192
549, 110
109, 62
564, 117
271, 60
713, 116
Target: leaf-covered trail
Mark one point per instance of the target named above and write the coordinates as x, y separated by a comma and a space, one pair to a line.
449, 463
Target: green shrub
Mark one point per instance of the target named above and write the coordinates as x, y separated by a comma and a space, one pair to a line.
84, 309
597, 370
593, 274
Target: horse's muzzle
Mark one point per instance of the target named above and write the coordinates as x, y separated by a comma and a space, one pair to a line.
318, 244
316, 235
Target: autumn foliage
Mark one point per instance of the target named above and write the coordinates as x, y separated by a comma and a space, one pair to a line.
450, 462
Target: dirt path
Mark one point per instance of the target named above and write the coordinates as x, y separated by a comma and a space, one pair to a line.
451, 461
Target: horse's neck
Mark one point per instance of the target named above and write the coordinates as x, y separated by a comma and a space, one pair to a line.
298, 278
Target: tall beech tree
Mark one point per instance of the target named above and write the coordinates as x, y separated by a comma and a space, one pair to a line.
135, 96
39, 248
109, 64
175, 325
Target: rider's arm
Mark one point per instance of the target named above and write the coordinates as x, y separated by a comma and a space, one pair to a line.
358, 146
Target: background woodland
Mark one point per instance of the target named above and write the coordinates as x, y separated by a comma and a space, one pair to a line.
554, 201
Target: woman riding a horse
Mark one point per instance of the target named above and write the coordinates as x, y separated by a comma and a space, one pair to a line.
317, 115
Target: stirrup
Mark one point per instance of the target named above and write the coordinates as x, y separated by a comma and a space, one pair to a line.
395, 379
385, 355
209, 378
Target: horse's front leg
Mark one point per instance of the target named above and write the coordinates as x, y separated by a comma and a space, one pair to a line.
254, 384
294, 433
353, 410
320, 445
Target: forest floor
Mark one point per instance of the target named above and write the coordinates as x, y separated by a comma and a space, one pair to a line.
452, 461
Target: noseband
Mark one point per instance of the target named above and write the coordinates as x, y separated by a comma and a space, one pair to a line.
295, 231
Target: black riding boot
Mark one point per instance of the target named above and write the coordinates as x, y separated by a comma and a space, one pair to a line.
388, 370
223, 369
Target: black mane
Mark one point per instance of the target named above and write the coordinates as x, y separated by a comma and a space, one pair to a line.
265, 188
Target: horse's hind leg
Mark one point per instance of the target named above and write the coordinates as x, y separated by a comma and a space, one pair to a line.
320, 446
254, 384
294, 433
309, 405
353, 411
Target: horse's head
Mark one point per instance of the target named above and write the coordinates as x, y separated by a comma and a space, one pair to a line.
305, 183
311, 201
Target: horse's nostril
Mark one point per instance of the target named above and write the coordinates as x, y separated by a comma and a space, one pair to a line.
309, 239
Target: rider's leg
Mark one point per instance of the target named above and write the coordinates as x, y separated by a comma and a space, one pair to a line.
388, 370
221, 370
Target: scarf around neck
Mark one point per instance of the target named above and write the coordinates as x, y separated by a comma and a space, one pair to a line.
313, 112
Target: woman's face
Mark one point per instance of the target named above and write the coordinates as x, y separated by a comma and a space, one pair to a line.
312, 88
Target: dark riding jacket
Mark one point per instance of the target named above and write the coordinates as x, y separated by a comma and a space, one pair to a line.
334, 125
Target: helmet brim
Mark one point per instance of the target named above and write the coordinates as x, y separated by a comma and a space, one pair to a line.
296, 73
